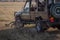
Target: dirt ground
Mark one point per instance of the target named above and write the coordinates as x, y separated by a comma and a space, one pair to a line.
7, 10
14, 34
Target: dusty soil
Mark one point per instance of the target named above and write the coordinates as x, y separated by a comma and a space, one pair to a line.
7, 9
14, 34
8, 33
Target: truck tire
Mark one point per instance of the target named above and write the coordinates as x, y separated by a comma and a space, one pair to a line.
19, 24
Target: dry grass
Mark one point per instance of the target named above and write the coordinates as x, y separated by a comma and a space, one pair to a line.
7, 10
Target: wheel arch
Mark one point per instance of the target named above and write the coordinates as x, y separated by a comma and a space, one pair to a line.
38, 18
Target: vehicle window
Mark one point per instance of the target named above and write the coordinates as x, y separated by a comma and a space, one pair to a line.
25, 11
40, 6
33, 6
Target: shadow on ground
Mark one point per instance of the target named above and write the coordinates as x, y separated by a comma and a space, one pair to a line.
14, 34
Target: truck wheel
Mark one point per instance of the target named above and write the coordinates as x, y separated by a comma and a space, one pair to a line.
19, 24
38, 26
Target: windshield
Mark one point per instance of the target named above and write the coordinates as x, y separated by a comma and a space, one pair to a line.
37, 5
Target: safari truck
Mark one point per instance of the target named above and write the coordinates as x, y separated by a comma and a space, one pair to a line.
44, 14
